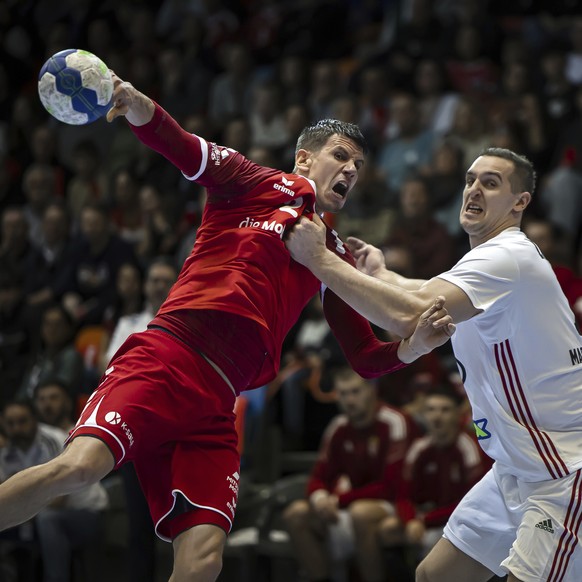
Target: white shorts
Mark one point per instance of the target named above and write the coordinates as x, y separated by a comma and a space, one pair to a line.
529, 529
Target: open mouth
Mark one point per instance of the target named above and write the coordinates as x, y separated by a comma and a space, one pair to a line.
341, 188
473, 209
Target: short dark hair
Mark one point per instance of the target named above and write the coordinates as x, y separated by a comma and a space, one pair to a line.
447, 391
523, 178
314, 137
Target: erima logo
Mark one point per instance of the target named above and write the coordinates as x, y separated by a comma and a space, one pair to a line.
285, 188
546, 525
113, 417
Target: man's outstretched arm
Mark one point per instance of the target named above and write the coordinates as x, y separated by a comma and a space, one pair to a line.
388, 306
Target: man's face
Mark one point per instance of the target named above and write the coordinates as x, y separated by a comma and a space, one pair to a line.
20, 426
52, 404
334, 169
357, 399
441, 415
159, 281
489, 203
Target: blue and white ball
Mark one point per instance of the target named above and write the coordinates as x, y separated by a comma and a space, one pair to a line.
75, 87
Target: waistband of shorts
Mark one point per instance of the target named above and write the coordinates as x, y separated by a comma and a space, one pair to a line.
199, 352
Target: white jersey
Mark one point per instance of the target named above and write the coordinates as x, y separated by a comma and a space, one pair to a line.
520, 359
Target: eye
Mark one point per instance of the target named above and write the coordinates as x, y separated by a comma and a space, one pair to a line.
469, 181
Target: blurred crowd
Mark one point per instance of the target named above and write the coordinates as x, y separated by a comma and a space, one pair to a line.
87, 212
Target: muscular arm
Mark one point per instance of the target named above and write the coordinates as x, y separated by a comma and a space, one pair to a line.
388, 306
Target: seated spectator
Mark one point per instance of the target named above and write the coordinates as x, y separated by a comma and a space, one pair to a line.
49, 260
16, 333
15, 246
54, 405
411, 148
55, 356
39, 187
416, 227
439, 469
128, 297
126, 213
73, 521
88, 286
88, 183
160, 277
353, 485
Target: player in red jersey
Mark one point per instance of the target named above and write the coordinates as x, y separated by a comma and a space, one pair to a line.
166, 400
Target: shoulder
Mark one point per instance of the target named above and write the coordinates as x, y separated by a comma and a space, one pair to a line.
469, 449
417, 448
394, 419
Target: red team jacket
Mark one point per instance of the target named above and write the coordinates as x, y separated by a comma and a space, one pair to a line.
363, 463
239, 292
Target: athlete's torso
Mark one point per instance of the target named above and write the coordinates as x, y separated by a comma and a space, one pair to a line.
520, 359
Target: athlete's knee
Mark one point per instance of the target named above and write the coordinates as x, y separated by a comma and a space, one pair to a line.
296, 514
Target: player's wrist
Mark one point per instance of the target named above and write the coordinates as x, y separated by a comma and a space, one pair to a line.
408, 353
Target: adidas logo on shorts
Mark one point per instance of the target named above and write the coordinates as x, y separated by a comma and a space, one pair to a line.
546, 525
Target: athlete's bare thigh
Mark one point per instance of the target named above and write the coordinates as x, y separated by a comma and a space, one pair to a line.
445, 562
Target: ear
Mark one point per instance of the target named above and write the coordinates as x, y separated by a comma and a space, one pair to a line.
522, 201
303, 161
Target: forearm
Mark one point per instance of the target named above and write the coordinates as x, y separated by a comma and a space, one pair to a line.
382, 303
395, 279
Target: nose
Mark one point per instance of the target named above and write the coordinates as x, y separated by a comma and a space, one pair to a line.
350, 169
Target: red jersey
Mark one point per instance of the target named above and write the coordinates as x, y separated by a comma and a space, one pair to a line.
362, 463
435, 478
239, 292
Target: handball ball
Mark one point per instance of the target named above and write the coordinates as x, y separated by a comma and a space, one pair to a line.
75, 87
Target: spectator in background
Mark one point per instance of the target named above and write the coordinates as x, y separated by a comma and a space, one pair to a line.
373, 98
128, 296
325, 86
411, 149
471, 71
126, 214
416, 227
230, 92
560, 191
89, 286
436, 100
439, 468
54, 405
15, 246
266, 117
470, 129
49, 260
43, 148
55, 355
161, 275
353, 484
237, 134
71, 522
574, 55
88, 183
162, 227
16, 333
38, 185
557, 94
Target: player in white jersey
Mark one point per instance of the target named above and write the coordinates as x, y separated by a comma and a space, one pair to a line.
520, 357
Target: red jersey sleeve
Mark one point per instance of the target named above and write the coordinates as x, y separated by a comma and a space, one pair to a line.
367, 355
225, 172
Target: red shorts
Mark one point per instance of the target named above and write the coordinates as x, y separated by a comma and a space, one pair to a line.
164, 407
